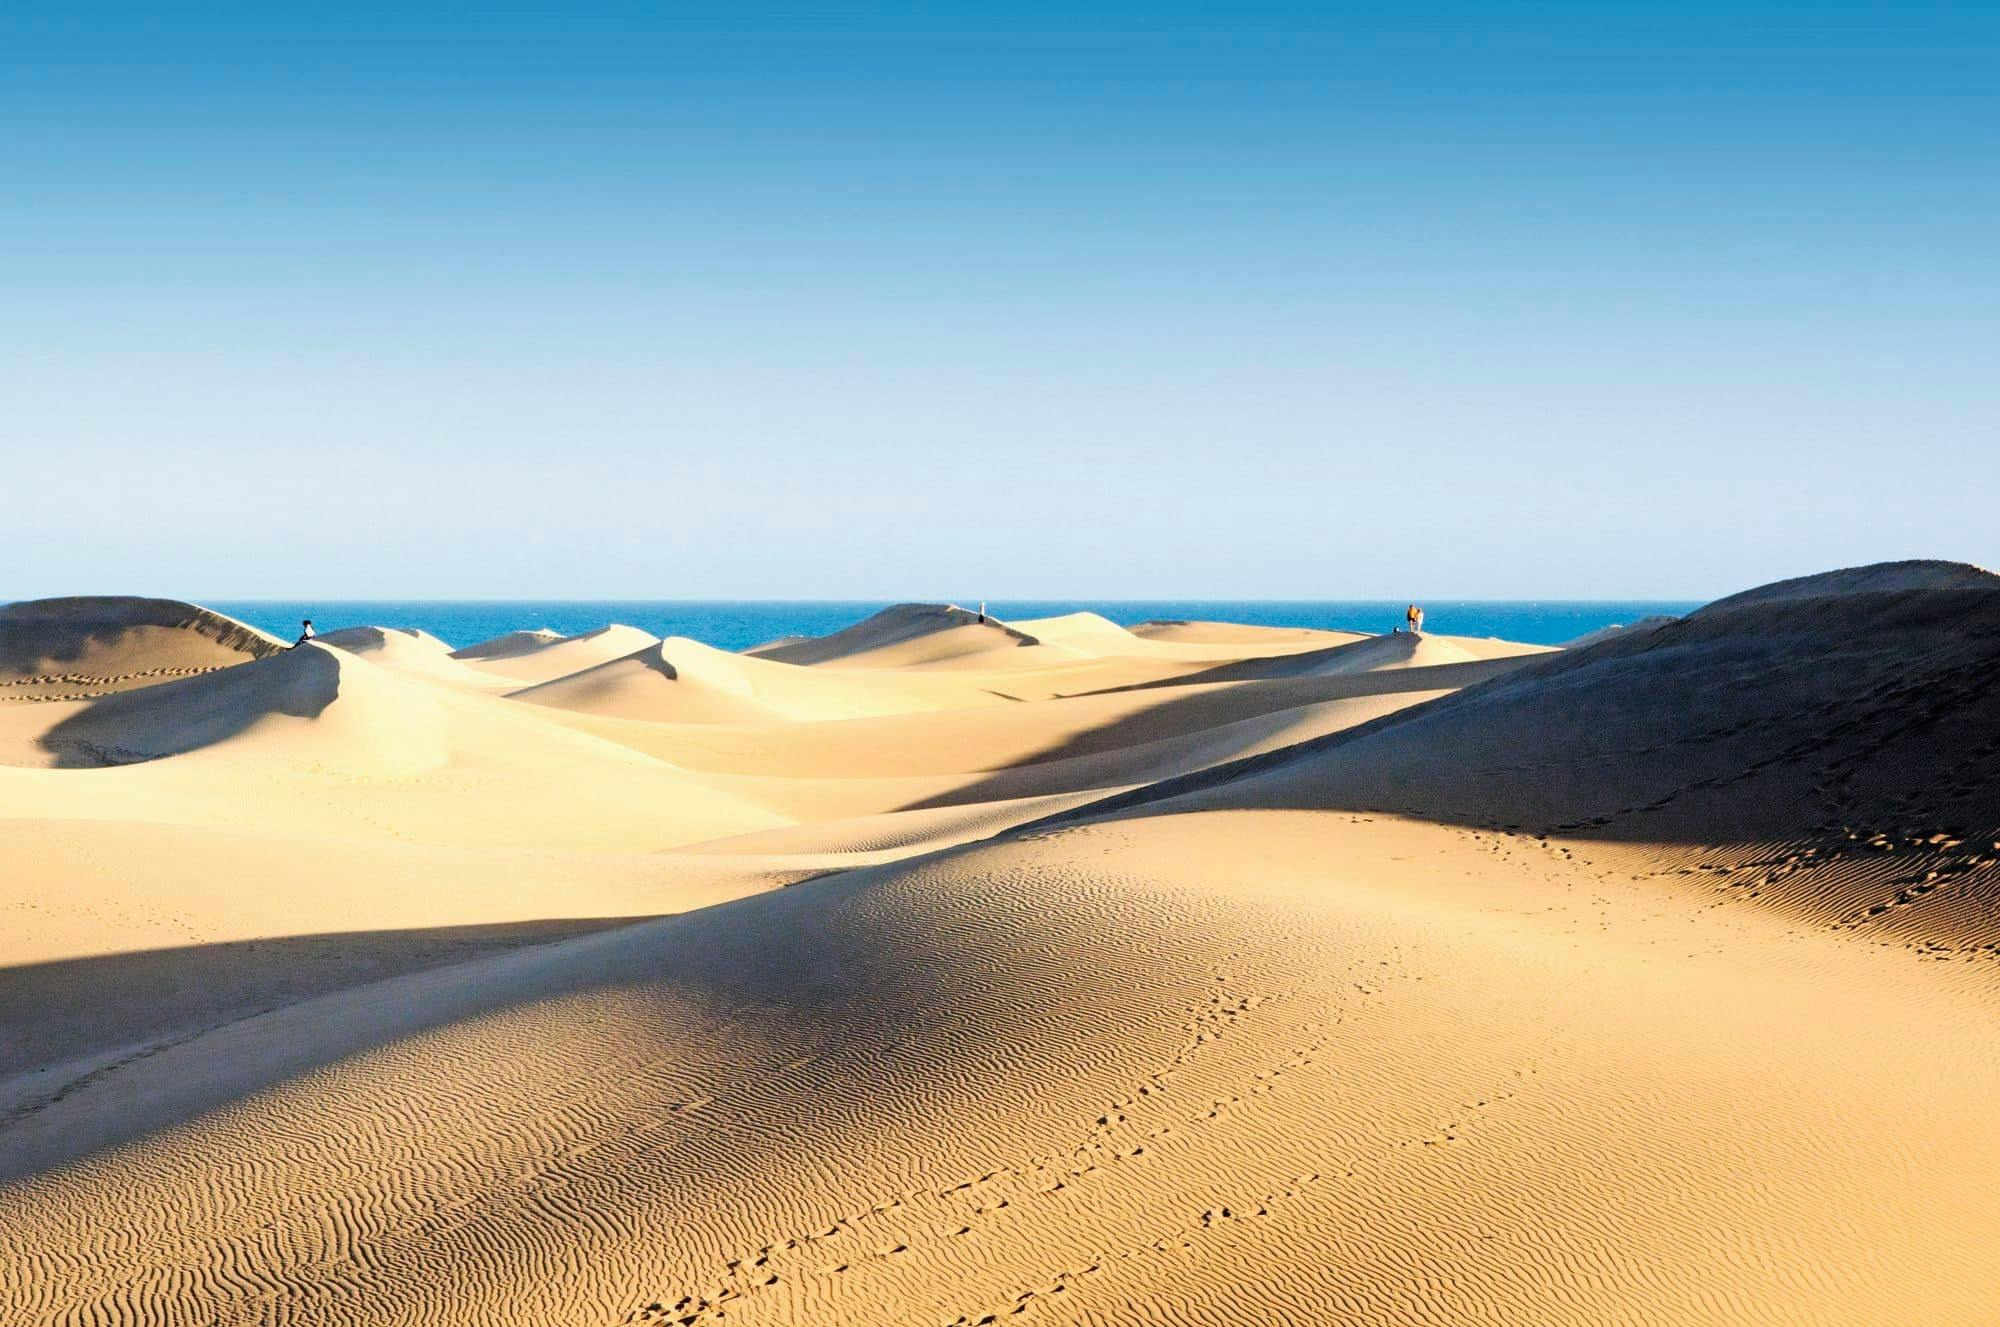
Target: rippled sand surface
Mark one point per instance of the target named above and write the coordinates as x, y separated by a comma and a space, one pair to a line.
955, 972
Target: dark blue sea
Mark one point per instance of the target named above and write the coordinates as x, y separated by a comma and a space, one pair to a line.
739, 625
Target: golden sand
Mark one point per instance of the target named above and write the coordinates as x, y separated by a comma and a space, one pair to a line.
950, 972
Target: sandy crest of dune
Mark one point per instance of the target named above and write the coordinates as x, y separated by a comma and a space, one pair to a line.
1090, 631
415, 653
529, 658
1213, 642
383, 640
899, 635
1363, 655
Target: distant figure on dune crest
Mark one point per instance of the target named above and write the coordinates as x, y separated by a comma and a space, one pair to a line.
982, 612
304, 635
1415, 617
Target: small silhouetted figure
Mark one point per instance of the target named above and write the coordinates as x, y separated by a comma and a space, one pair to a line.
304, 635
1413, 617
982, 612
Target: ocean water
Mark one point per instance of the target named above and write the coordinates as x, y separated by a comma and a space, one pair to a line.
742, 624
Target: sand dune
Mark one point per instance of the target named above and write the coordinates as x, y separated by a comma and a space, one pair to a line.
646, 684
1090, 631
1182, 632
533, 657
1384, 980
1916, 576
684, 681
1366, 654
901, 635
264, 703
414, 653
1094, 636
511, 644
1639, 627
384, 640
1848, 730
75, 648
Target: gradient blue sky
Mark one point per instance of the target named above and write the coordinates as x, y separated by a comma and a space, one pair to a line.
1561, 300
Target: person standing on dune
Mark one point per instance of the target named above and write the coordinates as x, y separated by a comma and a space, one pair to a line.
1411, 617
1417, 621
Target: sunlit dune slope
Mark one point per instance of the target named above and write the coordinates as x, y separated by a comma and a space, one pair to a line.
383, 640
901, 635
1182, 631
414, 654
1123, 1074
529, 658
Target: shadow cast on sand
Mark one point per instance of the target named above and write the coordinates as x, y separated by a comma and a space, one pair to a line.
278, 1025
39, 634
1846, 717
154, 994
169, 718
1183, 720
1378, 653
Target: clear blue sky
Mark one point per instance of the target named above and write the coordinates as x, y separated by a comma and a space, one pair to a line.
1552, 300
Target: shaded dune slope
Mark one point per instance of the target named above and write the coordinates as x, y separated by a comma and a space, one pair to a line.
186, 715
1852, 731
1364, 654
61, 649
1639, 627
510, 644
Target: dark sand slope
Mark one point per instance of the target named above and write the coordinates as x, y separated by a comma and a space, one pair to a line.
1849, 730
76, 648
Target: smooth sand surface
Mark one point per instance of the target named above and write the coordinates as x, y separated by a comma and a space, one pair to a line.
1182, 631
956, 973
902, 634
532, 657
